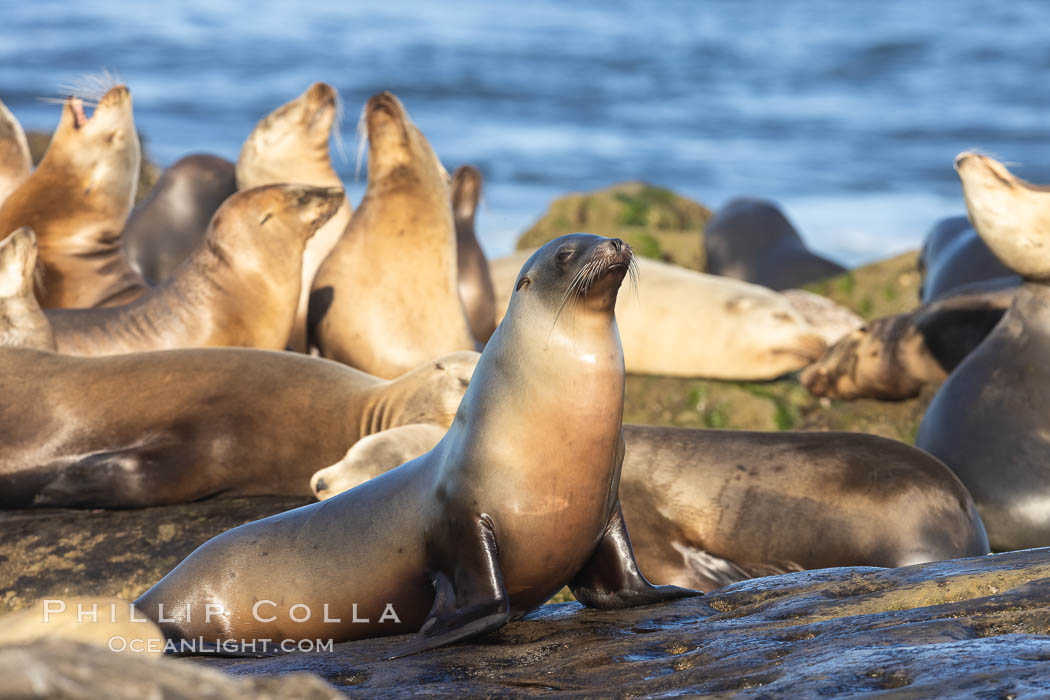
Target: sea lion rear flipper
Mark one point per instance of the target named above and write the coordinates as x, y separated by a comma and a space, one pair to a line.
113, 479
611, 579
469, 596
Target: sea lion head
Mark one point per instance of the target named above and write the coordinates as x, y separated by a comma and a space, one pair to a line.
1011, 216
103, 147
466, 191
15, 161
772, 334
573, 274
396, 146
22, 323
291, 144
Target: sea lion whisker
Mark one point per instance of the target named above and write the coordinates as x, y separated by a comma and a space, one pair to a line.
337, 128
90, 87
362, 141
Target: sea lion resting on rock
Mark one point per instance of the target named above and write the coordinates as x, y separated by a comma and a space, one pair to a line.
77, 202
750, 239
15, 161
291, 145
386, 298
687, 324
475, 282
894, 357
519, 499
166, 227
239, 288
953, 257
989, 420
709, 507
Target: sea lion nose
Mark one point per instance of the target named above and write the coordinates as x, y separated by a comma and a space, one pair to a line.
320, 486
961, 158
617, 245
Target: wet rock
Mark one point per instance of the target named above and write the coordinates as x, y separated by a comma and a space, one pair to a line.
966, 627
62, 669
61, 553
655, 221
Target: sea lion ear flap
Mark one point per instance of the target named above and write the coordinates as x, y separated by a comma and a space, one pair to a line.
469, 596
952, 333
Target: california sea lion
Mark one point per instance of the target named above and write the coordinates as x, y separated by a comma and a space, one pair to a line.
709, 507
239, 288
751, 239
176, 426
22, 322
165, 228
15, 161
475, 283
747, 331
386, 298
954, 256
77, 201
110, 623
517, 500
291, 145
894, 357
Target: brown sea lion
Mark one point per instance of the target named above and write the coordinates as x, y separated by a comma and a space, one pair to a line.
710, 507
15, 161
291, 145
176, 426
475, 283
894, 357
519, 499
386, 298
77, 202
166, 227
953, 256
239, 288
990, 420
751, 239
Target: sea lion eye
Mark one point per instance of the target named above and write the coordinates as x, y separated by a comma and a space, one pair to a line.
563, 256
522, 283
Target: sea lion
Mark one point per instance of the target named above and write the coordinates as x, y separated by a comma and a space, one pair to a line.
110, 623
517, 500
142, 429
239, 288
894, 357
710, 507
22, 323
831, 321
687, 324
475, 283
954, 256
386, 297
15, 161
291, 145
77, 202
750, 239
165, 228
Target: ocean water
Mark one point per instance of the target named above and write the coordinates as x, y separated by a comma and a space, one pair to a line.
847, 114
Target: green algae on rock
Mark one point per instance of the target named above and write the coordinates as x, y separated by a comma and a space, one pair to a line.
881, 288
655, 221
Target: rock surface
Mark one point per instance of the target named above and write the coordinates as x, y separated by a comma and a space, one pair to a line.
970, 627
656, 222
878, 289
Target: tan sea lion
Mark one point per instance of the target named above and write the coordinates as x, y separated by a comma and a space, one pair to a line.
894, 357
519, 499
239, 288
110, 623
710, 507
176, 426
77, 202
291, 145
166, 227
386, 298
22, 322
15, 161
687, 324
475, 282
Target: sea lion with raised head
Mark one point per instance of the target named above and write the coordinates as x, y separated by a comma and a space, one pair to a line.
954, 257
15, 161
166, 227
751, 240
894, 357
687, 324
291, 144
143, 429
989, 420
77, 202
710, 507
517, 500
386, 298
475, 282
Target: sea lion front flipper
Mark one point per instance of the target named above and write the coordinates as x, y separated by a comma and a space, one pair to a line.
469, 596
611, 578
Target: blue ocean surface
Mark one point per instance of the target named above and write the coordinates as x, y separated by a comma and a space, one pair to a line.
847, 114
